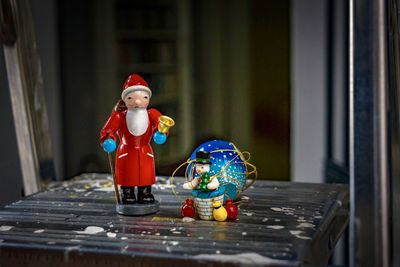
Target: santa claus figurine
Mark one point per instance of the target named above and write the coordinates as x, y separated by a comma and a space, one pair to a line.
134, 125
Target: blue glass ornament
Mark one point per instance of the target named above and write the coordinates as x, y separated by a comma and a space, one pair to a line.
109, 145
227, 162
159, 138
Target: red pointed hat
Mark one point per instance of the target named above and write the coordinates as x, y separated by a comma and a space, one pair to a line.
134, 83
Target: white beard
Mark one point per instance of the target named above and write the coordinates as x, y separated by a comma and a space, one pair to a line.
137, 121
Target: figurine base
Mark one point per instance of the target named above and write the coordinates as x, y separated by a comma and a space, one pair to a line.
138, 209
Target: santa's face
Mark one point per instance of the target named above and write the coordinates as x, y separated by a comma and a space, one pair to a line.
202, 168
137, 99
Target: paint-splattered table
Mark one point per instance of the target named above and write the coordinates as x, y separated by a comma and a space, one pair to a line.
75, 224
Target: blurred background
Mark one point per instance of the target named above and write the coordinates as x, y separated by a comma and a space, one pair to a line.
219, 68
269, 76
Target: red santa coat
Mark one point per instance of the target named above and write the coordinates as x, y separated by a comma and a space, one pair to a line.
134, 162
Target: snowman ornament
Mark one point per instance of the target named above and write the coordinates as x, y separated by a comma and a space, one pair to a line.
202, 181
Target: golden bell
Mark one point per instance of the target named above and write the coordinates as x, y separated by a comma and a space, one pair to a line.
164, 123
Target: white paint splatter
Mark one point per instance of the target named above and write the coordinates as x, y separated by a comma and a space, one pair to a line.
277, 220
112, 235
264, 220
157, 233
176, 232
295, 232
276, 227
124, 248
124, 238
67, 251
39, 231
51, 242
174, 243
91, 230
248, 213
105, 189
249, 259
288, 209
276, 209
305, 225
79, 190
164, 186
6, 227
75, 240
244, 233
187, 219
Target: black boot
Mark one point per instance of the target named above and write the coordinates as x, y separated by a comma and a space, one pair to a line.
128, 195
144, 195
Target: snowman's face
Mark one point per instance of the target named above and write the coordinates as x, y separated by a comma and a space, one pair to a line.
202, 168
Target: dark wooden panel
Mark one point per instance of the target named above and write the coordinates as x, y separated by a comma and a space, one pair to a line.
42, 228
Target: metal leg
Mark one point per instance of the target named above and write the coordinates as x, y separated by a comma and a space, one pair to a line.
369, 148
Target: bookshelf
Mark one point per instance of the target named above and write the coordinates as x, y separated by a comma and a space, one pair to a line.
151, 38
